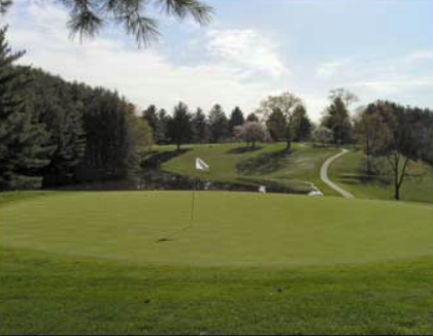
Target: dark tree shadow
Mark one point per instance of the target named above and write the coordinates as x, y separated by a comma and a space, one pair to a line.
360, 177
263, 164
155, 158
245, 149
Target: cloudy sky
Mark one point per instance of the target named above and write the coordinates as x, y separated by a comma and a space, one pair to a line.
253, 48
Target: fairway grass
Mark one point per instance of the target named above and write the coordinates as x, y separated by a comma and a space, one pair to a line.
91, 263
229, 228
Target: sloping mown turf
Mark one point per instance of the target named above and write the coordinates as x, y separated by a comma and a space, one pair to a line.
44, 293
229, 228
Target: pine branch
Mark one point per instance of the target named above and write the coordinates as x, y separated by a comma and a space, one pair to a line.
88, 17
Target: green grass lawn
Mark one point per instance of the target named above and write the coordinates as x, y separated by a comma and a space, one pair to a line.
89, 262
45, 293
14, 196
347, 171
230, 228
232, 163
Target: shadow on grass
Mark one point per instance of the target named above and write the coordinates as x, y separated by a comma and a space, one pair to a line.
243, 150
360, 177
263, 164
155, 158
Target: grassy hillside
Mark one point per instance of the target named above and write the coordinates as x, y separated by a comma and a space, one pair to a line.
348, 172
81, 263
234, 163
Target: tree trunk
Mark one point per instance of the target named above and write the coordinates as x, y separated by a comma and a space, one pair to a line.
178, 147
397, 192
369, 168
289, 146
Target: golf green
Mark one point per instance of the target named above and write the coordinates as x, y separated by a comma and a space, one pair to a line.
228, 229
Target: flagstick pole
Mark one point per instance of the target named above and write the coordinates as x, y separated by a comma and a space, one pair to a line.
192, 204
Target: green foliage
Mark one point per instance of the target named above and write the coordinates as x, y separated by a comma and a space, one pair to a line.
179, 126
160, 133
236, 119
337, 119
218, 124
302, 126
151, 116
57, 133
23, 143
252, 117
396, 133
200, 127
286, 104
277, 125
112, 150
51, 102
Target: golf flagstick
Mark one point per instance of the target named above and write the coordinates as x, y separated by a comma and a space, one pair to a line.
203, 166
192, 204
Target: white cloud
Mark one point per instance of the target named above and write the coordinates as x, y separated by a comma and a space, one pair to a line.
392, 86
329, 69
248, 49
420, 55
148, 76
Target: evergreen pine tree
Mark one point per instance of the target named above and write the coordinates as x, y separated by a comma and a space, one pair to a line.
252, 117
179, 126
23, 144
302, 124
337, 119
218, 124
51, 102
160, 133
236, 119
200, 127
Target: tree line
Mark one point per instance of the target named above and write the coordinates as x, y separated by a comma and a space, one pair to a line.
54, 133
185, 127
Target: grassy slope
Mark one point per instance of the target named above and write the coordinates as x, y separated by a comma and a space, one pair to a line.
229, 163
347, 170
49, 294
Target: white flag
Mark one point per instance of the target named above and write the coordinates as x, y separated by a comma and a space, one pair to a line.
200, 164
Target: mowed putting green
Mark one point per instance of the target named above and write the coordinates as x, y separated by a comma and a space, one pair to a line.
229, 228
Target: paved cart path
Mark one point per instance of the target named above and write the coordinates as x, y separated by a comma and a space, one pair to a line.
325, 178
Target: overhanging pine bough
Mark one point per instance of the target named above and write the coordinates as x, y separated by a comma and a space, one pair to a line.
89, 17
